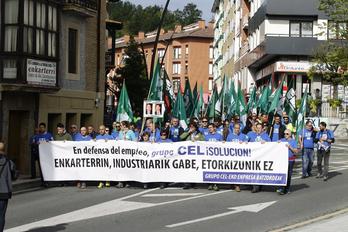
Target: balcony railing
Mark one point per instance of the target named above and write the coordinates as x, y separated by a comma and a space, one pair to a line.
84, 7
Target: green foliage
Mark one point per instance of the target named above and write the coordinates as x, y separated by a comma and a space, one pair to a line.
133, 72
334, 103
136, 18
331, 58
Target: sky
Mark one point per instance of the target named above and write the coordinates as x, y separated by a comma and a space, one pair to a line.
204, 5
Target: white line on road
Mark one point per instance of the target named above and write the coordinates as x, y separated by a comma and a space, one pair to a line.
172, 195
248, 208
104, 209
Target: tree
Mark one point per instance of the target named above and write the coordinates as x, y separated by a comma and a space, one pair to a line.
190, 14
331, 58
133, 72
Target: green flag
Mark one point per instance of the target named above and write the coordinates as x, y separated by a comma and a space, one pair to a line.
179, 111
252, 101
198, 104
263, 100
275, 98
168, 93
188, 98
232, 100
225, 98
155, 92
241, 107
211, 109
290, 102
124, 108
301, 115
195, 92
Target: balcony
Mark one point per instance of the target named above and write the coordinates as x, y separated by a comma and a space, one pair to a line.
245, 22
86, 8
282, 45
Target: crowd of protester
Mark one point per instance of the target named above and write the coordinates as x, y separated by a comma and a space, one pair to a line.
257, 128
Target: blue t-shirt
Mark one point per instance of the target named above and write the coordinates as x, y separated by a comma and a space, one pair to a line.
213, 137
164, 141
204, 131
129, 136
253, 137
308, 140
292, 143
44, 137
73, 135
79, 137
115, 134
325, 134
104, 136
240, 124
275, 132
220, 130
232, 137
174, 133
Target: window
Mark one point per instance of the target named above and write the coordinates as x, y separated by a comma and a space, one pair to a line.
28, 29
10, 69
211, 52
177, 52
176, 85
210, 85
210, 69
301, 29
176, 68
186, 51
72, 51
52, 31
160, 53
40, 28
11, 25
186, 67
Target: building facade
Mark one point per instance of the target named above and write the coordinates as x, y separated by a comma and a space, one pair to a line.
51, 69
189, 53
274, 40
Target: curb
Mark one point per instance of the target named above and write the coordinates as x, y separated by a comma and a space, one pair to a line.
25, 184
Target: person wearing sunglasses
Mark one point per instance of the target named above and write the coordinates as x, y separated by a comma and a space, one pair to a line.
293, 150
164, 137
204, 126
116, 128
307, 146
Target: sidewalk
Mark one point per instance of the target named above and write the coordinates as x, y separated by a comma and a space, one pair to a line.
24, 183
335, 223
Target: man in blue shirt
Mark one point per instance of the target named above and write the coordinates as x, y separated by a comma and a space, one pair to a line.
175, 130
236, 135
259, 135
204, 126
276, 131
73, 131
307, 146
116, 128
42, 136
292, 145
213, 135
324, 138
80, 137
83, 136
103, 135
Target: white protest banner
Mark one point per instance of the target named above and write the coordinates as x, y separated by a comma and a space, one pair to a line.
186, 162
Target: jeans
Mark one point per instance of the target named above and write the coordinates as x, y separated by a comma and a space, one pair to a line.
322, 154
3, 208
288, 183
307, 161
35, 158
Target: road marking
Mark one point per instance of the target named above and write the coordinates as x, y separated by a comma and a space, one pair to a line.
340, 145
255, 208
104, 209
172, 195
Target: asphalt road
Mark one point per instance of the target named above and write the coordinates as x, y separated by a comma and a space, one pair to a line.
174, 209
